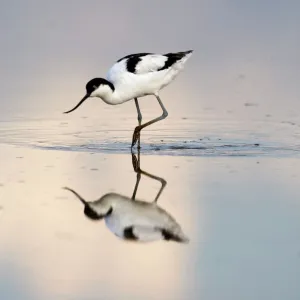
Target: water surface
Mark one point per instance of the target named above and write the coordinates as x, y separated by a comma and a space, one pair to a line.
229, 150
241, 214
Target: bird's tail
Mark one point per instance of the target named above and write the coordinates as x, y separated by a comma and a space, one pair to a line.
187, 55
182, 238
180, 55
179, 59
188, 52
175, 235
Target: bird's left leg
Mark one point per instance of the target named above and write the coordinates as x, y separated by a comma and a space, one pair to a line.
136, 167
138, 129
139, 119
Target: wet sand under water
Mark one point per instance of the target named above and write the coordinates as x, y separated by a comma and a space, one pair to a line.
241, 214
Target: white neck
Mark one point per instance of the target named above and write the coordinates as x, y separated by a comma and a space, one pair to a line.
112, 98
108, 95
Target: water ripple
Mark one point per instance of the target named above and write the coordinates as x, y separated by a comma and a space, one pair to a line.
179, 148
220, 139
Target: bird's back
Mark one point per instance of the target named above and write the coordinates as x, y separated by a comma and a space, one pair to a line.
143, 74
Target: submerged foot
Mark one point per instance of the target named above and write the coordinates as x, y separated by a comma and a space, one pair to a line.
136, 137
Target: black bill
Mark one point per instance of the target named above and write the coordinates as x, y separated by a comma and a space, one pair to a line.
76, 194
81, 101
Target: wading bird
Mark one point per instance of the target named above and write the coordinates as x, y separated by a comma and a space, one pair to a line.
134, 220
134, 76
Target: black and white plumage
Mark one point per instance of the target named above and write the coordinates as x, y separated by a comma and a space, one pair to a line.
141, 63
133, 220
134, 76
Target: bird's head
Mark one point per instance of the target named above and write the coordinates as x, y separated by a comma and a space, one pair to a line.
94, 210
96, 213
96, 87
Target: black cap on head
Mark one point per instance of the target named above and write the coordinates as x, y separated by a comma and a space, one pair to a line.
95, 83
93, 215
91, 86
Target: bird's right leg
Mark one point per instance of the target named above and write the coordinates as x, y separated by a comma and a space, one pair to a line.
138, 129
139, 119
138, 111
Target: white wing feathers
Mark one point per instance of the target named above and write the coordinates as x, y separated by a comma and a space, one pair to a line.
150, 63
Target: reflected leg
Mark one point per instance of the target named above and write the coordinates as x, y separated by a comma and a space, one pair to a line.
136, 167
161, 180
139, 171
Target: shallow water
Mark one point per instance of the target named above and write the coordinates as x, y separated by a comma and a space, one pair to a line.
201, 134
235, 193
228, 151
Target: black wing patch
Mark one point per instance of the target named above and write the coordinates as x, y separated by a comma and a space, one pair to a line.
173, 58
133, 55
129, 235
133, 60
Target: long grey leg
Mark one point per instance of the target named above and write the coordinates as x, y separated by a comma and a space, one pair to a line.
138, 129
138, 111
136, 167
138, 178
139, 119
161, 180
139, 171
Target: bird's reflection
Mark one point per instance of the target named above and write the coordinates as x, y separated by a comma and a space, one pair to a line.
132, 219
